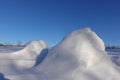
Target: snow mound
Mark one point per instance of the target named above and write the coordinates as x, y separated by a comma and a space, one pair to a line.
84, 45
23, 59
79, 56
32, 50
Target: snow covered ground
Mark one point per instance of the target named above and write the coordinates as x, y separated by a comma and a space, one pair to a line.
115, 55
80, 55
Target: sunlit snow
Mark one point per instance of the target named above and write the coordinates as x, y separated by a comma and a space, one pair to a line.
80, 55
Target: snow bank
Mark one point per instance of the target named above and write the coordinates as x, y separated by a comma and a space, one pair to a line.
23, 59
79, 56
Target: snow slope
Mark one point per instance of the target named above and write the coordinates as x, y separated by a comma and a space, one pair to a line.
79, 56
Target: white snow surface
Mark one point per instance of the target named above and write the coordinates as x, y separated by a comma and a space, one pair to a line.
115, 55
23, 59
79, 56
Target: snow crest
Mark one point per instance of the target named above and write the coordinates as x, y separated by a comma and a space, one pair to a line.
85, 45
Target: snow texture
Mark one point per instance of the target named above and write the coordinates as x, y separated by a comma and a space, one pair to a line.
23, 59
79, 56
114, 55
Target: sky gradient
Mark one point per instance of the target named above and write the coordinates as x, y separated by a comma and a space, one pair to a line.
51, 20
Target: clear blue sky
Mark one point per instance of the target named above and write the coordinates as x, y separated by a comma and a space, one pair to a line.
51, 20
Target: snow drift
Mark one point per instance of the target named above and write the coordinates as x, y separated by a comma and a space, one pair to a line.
23, 59
79, 56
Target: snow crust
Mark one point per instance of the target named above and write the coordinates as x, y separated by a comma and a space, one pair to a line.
79, 56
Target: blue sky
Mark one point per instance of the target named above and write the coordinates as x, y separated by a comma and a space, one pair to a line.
51, 20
